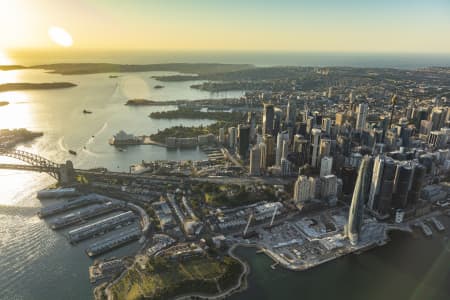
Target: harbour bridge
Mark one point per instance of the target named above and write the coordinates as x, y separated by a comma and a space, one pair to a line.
33, 162
65, 173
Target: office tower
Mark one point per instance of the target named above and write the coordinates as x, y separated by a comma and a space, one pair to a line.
291, 113
326, 126
309, 125
340, 119
285, 151
232, 136
302, 129
222, 135
251, 120
270, 150
277, 123
425, 127
315, 137
348, 175
350, 99
244, 140
282, 136
268, 118
328, 188
326, 164
302, 190
416, 184
325, 147
285, 167
356, 213
255, 161
377, 176
438, 139
437, 118
355, 159
387, 187
263, 156
403, 177
361, 116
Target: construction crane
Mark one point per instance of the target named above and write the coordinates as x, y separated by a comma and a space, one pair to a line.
273, 216
248, 225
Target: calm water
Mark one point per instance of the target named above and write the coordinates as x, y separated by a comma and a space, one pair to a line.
36, 262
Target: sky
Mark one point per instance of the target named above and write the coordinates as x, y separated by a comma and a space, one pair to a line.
409, 26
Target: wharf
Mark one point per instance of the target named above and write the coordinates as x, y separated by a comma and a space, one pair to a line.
100, 227
110, 243
65, 206
82, 215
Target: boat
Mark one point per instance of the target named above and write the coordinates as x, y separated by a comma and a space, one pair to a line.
72, 152
87, 111
158, 86
121, 149
113, 76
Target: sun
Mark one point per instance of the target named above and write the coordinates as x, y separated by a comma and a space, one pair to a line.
60, 36
4, 59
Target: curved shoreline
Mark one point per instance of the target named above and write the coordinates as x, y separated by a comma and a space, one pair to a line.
240, 286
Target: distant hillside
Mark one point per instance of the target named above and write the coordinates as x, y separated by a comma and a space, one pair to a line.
92, 68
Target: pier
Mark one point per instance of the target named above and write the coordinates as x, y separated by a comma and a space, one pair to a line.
66, 206
100, 227
83, 215
110, 243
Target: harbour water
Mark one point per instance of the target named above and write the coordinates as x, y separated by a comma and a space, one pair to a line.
38, 263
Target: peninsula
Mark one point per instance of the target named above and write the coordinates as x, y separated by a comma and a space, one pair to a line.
93, 68
34, 86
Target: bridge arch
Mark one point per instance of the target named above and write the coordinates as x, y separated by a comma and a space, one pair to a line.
39, 163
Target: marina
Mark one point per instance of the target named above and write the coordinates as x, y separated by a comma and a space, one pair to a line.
110, 243
101, 227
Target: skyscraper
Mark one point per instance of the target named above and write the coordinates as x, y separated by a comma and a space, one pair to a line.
361, 116
232, 136
244, 140
315, 136
263, 157
268, 118
282, 136
377, 176
255, 161
270, 149
291, 113
326, 164
356, 213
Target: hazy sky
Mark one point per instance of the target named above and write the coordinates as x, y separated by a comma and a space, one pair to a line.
300, 25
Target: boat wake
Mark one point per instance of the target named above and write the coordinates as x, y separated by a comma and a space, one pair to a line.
61, 145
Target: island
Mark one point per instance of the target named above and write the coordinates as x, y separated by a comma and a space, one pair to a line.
4, 103
143, 102
35, 86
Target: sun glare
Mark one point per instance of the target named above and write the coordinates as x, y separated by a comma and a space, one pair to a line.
4, 59
60, 36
